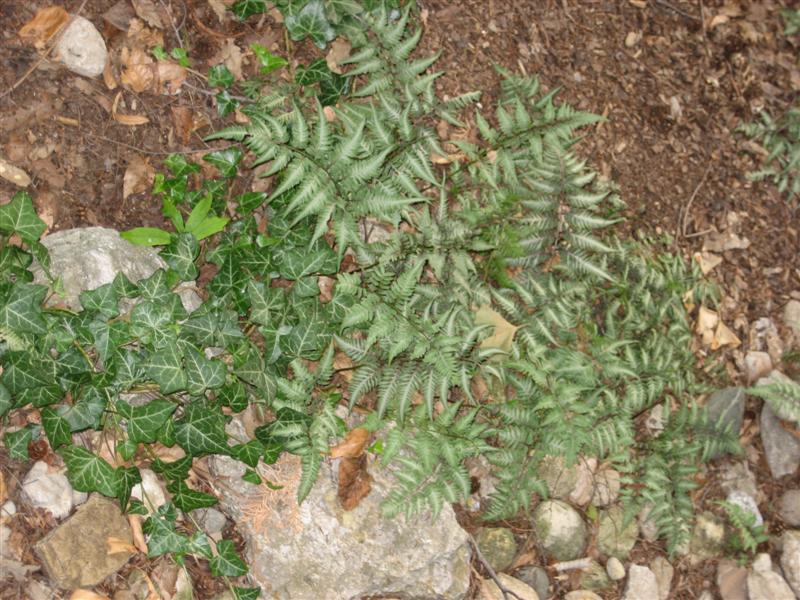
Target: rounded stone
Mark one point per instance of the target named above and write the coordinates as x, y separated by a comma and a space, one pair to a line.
616, 535
789, 507
81, 48
536, 577
50, 490
615, 569
594, 577
498, 546
559, 530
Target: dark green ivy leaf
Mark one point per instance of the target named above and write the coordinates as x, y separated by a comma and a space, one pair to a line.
226, 160
103, 299
163, 538
246, 8
19, 216
249, 453
6, 402
127, 478
177, 470
250, 476
22, 312
57, 428
234, 396
201, 430
126, 449
220, 76
166, 369
17, 442
88, 472
311, 21
202, 373
137, 507
179, 166
199, 544
181, 254
269, 61
225, 103
145, 421
227, 562
241, 593
187, 499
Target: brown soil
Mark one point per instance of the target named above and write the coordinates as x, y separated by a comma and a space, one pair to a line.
672, 83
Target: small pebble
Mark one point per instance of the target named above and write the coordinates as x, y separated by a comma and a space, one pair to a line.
615, 568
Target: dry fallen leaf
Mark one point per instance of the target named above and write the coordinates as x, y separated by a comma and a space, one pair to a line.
504, 331
119, 546
707, 261
352, 445
138, 176
131, 120
229, 55
14, 174
219, 9
135, 522
330, 114
3, 492
170, 77
706, 323
355, 482
723, 336
140, 36
46, 24
340, 50
137, 69
325, 285
148, 12
108, 77
81, 594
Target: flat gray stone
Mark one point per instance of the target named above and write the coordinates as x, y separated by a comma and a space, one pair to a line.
642, 584
74, 554
790, 560
726, 407
789, 507
497, 545
559, 530
81, 48
536, 577
318, 550
765, 584
782, 449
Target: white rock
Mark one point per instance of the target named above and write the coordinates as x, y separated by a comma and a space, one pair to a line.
642, 584
490, 591
615, 569
789, 507
211, 520
560, 530
607, 488
9, 509
757, 365
790, 560
582, 595
764, 584
764, 336
791, 316
582, 493
149, 491
50, 490
5, 534
745, 501
664, 572
81, 48
706, 595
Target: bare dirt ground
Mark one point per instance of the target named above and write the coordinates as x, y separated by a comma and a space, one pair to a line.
673, 79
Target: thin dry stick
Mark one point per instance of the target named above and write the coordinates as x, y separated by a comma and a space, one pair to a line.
685, 212
673, 8
503, 590
44, 56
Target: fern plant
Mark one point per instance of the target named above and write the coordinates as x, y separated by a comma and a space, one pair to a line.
493, 316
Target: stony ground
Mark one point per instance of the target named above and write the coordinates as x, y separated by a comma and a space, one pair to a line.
674, 80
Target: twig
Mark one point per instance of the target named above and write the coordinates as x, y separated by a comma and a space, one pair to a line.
684, 213
212, 94
44, 56
503, 590
675, 9
572, 565
151, 152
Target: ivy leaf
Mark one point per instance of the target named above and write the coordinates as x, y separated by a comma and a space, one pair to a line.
147, 236
17, 442
201, 430
57, 428
187, 499
199, 544
241, 593
311, 21
300, 262
249, 201
22, 312
227, 563
232, 395
254, 372
127, 478
181, 254
268, 304
226, 160
88, 472
249, 453
163, 538
250, 476
164, 367
314, 72
202, 373
19, 216
137, 507
220, 76
269, 62
103, 300
332, 88
88, 410
225, 103
175, 470
6, 401
145, 421
40, 396
126, 449
179, 166
308, 338
246, 8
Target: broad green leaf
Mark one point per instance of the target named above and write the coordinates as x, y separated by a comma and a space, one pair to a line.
88, 472
137, 507
227, 562
246, 8
254, 372
199, 213
209, 226
17, 442
6, 401
177, 470
269, 62
147, 236
108, 337
202, 373
311, 21
187, 499
145, 421
179, 166
227, 161
268, 304
126, 449
57, 428
300, 262
249, 201
127, 478
155, 287
201, 430
220, 76
234, 396
313, 73
40, 396
103, 299
22, 370
166, 369
181, 254
200, 545
19, 216
250, 476
225, 103
248, 453
241, 593
163, 538
22, 312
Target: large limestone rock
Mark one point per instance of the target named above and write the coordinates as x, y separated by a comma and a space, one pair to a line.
559, 530
318, 550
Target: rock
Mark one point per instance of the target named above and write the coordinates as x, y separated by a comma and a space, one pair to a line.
746, 503
789, 410
756, 365
726, 407
731, 580
708, 537
789, 507
791, 317
764, 336
88, 257
615, 536
615, 569
559, 530
5, 535
642, 584
149, 491
790, 560
183, 586
559, 478
705, 595
738, 477
583, 489
654, 419
607, 488
594, 577
9, 509
211, 520
537, 578
81, 48
74, 554
782, 449
50, 490
490, 591
647, 526
764, 584
14, 174
582, 595
294, 551
664, 572
498, 546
